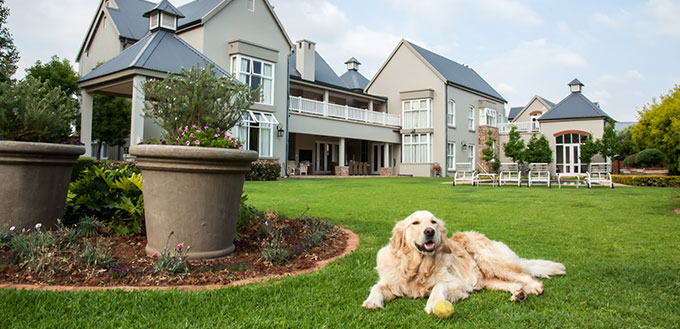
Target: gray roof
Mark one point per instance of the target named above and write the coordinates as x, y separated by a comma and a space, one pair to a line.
574, 106
323, 73
458, 74
551, 104
575, 82
195, 10
128, 18
158, 51
618, 126
164, 6
353, 60
354, 80
514, 111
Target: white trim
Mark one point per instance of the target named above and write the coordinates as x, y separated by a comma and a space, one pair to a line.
236, 62
251, 5
173, 21
451, 113
471, 118
451, 156
413, 116
412, 148
154, 21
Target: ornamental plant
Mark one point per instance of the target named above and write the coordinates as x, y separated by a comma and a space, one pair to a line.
197, 98
32, 111
200, 136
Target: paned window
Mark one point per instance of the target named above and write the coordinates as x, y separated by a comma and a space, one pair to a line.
255, 73
416, 148
417, 113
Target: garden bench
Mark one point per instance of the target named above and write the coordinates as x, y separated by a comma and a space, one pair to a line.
539, 173
599, 173
464, 172
485, 178
510, 173
562, 178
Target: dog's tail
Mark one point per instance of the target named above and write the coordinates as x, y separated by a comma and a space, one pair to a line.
540, 268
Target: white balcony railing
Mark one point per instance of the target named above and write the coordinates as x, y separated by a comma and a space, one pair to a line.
523, 127
310, 106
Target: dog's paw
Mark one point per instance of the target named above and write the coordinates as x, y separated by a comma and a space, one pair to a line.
534, 289
518, 296
429, 308
372, 305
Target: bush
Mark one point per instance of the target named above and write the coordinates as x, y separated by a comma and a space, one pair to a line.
649, 158
80, 166
264, 170
629, 161
655, 181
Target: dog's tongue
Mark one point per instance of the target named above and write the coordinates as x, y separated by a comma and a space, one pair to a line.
429, 245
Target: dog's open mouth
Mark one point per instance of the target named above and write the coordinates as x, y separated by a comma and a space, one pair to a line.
428, 246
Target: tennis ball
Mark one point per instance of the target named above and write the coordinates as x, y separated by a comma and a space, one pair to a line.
443, 309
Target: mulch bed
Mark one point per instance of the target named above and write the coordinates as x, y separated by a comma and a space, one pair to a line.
134, 266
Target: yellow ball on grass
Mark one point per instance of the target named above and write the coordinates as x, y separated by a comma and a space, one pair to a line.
443, 309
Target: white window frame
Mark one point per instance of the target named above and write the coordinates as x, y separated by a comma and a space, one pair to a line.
451, 113
153, 21
451, 156
246, 76
471, 155
260, 121
416, 148
534, 122
491, 117
471, 118
165, 17
251, 5
416, 117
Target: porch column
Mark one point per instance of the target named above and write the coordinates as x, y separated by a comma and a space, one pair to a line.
325, 103
341, 157
86, 104
386, 163
137, 121
370, 105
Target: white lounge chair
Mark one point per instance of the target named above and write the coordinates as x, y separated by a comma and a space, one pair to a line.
539, 173
599, 173
464, 172
510, 173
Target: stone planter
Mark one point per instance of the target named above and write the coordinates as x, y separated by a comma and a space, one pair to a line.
35, 178
194, 192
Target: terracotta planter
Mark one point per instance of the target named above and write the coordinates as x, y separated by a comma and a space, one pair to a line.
194, 192
35, 178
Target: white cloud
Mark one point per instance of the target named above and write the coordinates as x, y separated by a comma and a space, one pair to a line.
660, 18
600, 19
445, 11
505, 88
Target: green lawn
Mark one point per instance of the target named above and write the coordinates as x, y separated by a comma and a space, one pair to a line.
621, 248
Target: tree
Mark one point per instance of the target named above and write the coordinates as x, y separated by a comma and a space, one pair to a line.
609, 142
514, 148
624, 145
588, 149
57, 73
538, 150
659, 127
110, 121
489, 154
9, 56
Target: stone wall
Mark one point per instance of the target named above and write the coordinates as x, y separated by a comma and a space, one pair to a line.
482, 137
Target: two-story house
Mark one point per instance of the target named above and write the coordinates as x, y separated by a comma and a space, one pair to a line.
446, 109
566, 125
137, 40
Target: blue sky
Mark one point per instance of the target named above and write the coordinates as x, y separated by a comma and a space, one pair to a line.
625, 52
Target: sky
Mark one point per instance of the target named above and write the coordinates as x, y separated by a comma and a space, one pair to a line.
625, 52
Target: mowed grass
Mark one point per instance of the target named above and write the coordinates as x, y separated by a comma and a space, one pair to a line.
621, 248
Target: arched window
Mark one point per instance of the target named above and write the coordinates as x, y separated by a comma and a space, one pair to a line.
568, 151
451, 113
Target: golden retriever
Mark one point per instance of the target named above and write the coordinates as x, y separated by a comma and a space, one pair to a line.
421, 261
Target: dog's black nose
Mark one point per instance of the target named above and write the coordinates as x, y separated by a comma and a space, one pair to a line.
429, 232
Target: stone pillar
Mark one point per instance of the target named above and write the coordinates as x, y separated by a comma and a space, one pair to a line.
86, 104
137, 120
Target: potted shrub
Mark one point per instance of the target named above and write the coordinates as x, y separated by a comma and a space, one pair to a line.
37, 152
193, 178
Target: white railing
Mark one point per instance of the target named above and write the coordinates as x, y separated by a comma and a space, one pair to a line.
310, 106
526, 126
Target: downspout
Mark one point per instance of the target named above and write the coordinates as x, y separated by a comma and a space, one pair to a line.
446, 131
287, 112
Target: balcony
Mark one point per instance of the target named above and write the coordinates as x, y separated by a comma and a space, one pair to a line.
523, 127
343, 112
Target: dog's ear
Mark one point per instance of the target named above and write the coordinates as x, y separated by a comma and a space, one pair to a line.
444, 236
397, 240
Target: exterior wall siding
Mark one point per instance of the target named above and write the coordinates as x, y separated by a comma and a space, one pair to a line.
105, 45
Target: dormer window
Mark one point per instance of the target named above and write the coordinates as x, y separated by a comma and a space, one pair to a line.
164, 16
153, 21
168, 21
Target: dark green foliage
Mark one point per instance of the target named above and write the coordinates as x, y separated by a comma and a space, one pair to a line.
629, 161
88, 226
315, 231
264, 170
246, 214
97, 255
110, 120
538, 150
57, 74
654, 181
489, 154
113, 196
514, 148
198, 97
171, 261
80, 166
649, 158
42, 251
588, 149
609, 141
9, 56
32, 111
624, 145
659, 128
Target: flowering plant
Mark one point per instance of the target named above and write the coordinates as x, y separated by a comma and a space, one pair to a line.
200, 136
436, 167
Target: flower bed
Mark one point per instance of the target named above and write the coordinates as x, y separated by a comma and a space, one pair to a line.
656, 181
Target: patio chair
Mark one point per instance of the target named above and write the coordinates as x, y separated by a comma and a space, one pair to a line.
464, 172
304, 168
539, 173
599, 173
510, 172
291, 168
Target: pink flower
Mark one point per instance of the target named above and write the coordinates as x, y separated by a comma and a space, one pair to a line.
193, 126
263, 242
178, 137
186, 128
217, 135
155, 254
37, 226
226, 137
12, 228
192, 135
198, 130
218, 129
206, 127
197, 142
188, 143
180, 246
179, 129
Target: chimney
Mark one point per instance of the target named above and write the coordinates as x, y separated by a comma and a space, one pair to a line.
304, 59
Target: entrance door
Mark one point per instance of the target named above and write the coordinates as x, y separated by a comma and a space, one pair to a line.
568, 158
326, 157
376, 159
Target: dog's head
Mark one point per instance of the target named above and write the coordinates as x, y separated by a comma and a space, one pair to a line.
420, 231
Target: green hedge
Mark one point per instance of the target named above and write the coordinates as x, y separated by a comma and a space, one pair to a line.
264, 170
656, 181
101, 164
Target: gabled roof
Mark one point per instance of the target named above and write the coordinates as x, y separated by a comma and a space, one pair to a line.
574, 106
548, 104
160, 51
514, 111
164, 6
457, 74
323, 73
195, 11
354, 80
